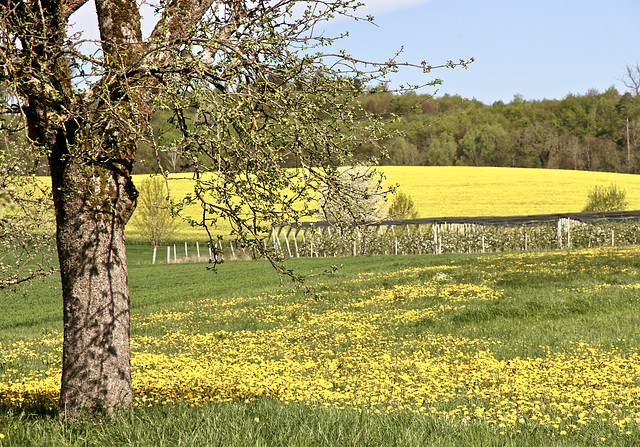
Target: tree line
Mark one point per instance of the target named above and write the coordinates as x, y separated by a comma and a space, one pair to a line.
594, 131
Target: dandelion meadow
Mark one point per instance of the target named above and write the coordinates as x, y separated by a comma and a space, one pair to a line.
536, 348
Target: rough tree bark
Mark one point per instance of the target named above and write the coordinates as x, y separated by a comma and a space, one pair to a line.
93, 205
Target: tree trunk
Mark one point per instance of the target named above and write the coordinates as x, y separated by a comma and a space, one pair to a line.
93, 204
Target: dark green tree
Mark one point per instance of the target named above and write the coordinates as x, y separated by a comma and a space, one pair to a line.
442, 151
484, 145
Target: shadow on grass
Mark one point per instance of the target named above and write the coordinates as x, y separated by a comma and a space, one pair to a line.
32, 404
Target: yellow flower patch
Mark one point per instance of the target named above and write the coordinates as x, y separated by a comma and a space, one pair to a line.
348, 353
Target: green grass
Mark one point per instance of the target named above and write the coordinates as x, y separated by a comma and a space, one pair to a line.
267, 423
547, 303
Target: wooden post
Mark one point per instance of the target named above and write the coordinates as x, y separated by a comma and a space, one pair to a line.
276, 240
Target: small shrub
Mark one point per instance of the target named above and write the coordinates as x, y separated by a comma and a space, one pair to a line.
153, 219
402, 207
603, 198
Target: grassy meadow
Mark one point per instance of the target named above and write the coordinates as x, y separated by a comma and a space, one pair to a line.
443, 191
531, 349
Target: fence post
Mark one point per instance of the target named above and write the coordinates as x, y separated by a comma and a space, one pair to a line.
295, 242
613, 238
286, 240
559, 233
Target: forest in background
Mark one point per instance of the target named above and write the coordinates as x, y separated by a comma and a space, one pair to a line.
595, 131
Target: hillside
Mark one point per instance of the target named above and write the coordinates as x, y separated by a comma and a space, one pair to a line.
590, 132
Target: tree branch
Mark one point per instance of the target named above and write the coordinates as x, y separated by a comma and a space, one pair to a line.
19, 280
71, 6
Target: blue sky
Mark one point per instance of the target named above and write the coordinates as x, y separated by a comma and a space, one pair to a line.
535, 48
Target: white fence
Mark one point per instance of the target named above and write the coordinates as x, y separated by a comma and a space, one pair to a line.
458, 235
435, 236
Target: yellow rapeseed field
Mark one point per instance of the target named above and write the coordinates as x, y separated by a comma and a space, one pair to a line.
347, 354
447, 191
444, 191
